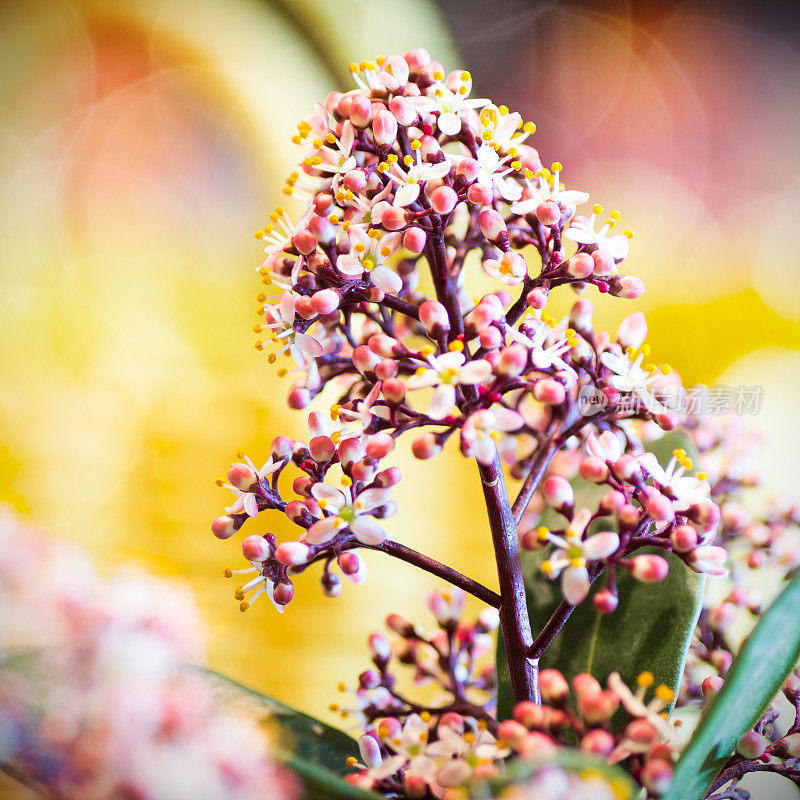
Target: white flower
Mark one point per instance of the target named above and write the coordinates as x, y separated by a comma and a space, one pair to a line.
630, 377
261, 583
545, 344
502, 127
279, 320
581, 232
368, 249
547, 186
687, 490
414, 172
482, 433
445, 373
346, 512
411, 752
333, 155
492, 173
278, 234
466, 752
573, 554
361, 215
448, 99
248, 501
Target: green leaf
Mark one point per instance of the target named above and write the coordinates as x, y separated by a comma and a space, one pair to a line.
770, 653
315, 751
650, 630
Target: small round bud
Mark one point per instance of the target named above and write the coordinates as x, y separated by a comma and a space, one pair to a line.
325, 301
606, 601
322, 449
628, 287
386, 368
425, 446
549, 391
290, 554
603, 263
593, 469
649, 568
657, 776
558, 492
256, 548
360, 111
598, 741
404, 111
683, 538
580, 265
434, 318
393, 390
393, 218
712, 685
479, 194
414, 240
443, 199
223, 527
553, 686
537, 298
492, 224
305, 242
283, 593
752, 744
242, 476
548, 213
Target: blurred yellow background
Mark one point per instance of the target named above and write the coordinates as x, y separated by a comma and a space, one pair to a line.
143, 141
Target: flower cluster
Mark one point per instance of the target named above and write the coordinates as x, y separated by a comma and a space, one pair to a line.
108, 708
410, 748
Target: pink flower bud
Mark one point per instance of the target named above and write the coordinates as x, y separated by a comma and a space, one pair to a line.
404, 111
468, 168
752, 744
580, 265
580, 315
712, 685
416, 59
364, 359
393, 390
355, 180
414, 240
479, 195
241, 476
388, 477
298, 398
548, 213
719, 618
283, 593
383, 345
628, 287
350, 450
512, 360
683, 538
709, 559
490, 338
606, 601
393, 218
593, 469
255, 548
304, 307
379, 445
721, 660
384, 128
443, 199
223, 527
657, 776
325, 301
386, 368
379, 648
584, 683
603, 263
597, 707
399, 625
332, 101
598, 741
536, 746
649, 568
537, 298
632, 330
612, 501
558, 493
492, 224
549, 391
626, 466
425, 446
292, 553
628, 516
360, 111
553, 686
511, 731
433, 316
659, 506
281, 448
322, 449
430, 148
